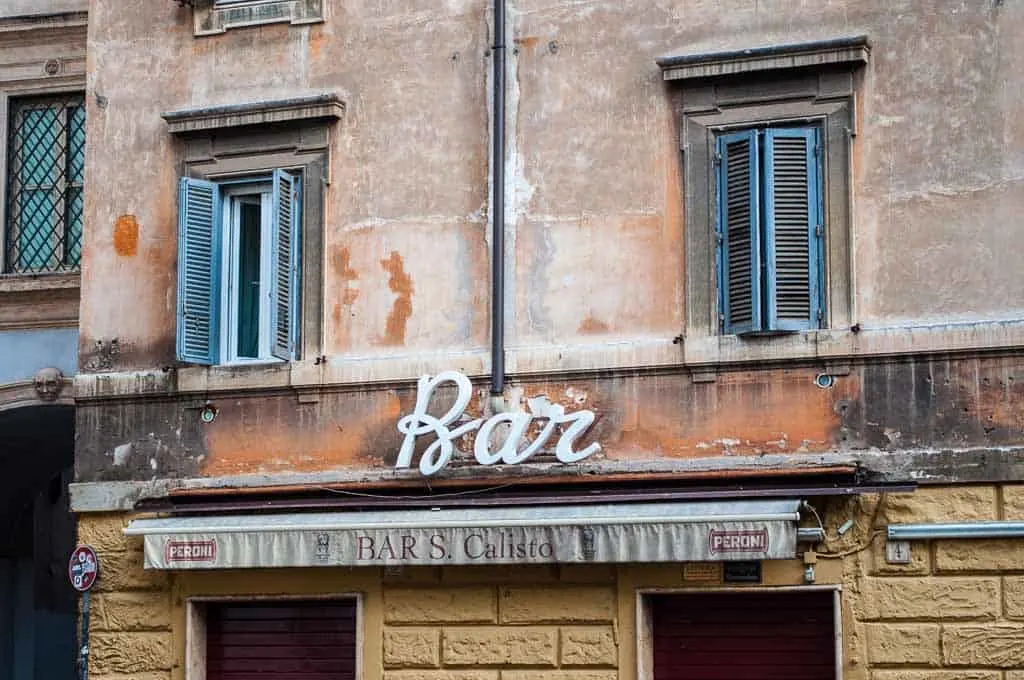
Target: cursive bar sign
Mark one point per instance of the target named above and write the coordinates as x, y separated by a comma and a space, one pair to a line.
513, 446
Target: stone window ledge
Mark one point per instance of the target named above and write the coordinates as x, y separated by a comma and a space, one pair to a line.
832, 350
39, 300
211, 20
21, 283
327, 107
845, 50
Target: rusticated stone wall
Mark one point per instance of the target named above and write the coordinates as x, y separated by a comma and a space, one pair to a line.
550, 631
956, 612
130, 623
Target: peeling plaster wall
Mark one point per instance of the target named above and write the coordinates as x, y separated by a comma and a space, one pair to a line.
890, 406
595, 222
595, 226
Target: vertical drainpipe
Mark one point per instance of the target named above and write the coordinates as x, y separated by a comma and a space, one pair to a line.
498, 207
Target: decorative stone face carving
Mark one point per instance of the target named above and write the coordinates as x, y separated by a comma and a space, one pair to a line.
48, 383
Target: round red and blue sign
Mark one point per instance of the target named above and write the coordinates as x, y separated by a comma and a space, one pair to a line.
83, 568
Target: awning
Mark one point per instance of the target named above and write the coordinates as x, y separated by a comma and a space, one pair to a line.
612, 533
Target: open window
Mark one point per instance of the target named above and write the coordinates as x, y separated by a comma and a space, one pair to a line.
239, 269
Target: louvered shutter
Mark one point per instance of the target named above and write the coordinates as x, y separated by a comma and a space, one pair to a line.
744, 636
793, 228
289, 639
739, 239
284, 280
199, 260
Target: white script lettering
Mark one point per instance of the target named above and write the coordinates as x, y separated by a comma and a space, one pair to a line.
440, 451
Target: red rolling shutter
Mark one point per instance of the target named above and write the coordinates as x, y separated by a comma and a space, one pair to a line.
744, 636
297, 640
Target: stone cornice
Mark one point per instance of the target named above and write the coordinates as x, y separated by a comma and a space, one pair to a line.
45, 22
689, 66
327, 106
947, 466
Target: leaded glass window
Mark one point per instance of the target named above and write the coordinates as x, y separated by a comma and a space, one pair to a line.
45, 174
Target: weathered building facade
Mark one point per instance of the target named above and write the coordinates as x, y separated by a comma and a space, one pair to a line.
42, 147
758, 283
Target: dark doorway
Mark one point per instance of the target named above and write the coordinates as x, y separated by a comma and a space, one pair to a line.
759, 635
37, 534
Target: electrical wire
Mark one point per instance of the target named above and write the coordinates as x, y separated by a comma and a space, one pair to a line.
451, 494
871, 539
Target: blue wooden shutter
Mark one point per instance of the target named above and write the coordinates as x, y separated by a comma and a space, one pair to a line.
739, 238
284, 279
793, 228
199, 260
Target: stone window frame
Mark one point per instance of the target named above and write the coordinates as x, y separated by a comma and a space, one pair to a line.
810, 83
51, 299
210, 19
238, 141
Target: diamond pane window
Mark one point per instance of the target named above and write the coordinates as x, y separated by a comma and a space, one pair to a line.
46, 164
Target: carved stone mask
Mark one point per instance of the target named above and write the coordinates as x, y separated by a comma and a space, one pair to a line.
48, 383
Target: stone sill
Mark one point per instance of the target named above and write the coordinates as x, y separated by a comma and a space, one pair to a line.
326, 106
832, 350
21, 283
846, 50
42, 22
39, 301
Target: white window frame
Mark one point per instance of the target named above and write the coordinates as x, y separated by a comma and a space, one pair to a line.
195, 625
230, 254
645, 628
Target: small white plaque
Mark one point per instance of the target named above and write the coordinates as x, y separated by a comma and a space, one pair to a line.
897, 552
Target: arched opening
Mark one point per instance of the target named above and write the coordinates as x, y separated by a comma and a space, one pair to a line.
37, 534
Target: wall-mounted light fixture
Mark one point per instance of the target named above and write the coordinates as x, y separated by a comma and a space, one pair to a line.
208, 413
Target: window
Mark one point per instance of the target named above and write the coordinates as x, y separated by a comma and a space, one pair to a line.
766, 135
769, 229
45, 175
229, 154
238, 269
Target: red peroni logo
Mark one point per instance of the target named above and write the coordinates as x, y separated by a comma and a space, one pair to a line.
739, 541
190, 551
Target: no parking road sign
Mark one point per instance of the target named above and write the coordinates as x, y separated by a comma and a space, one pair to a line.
83, 568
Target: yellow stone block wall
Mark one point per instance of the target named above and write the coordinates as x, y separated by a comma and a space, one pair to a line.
541, 623
130, 621
956, 612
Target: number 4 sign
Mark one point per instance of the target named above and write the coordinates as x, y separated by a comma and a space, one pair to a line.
83, 568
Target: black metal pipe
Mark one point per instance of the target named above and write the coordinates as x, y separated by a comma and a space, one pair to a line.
498, 205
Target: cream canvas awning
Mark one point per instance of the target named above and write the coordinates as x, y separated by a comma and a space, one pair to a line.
611, 533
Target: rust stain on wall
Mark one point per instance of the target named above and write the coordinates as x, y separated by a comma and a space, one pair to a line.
592, 326
779, 411
316, 41
345, 272
126, 236
527, 42
401, 309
